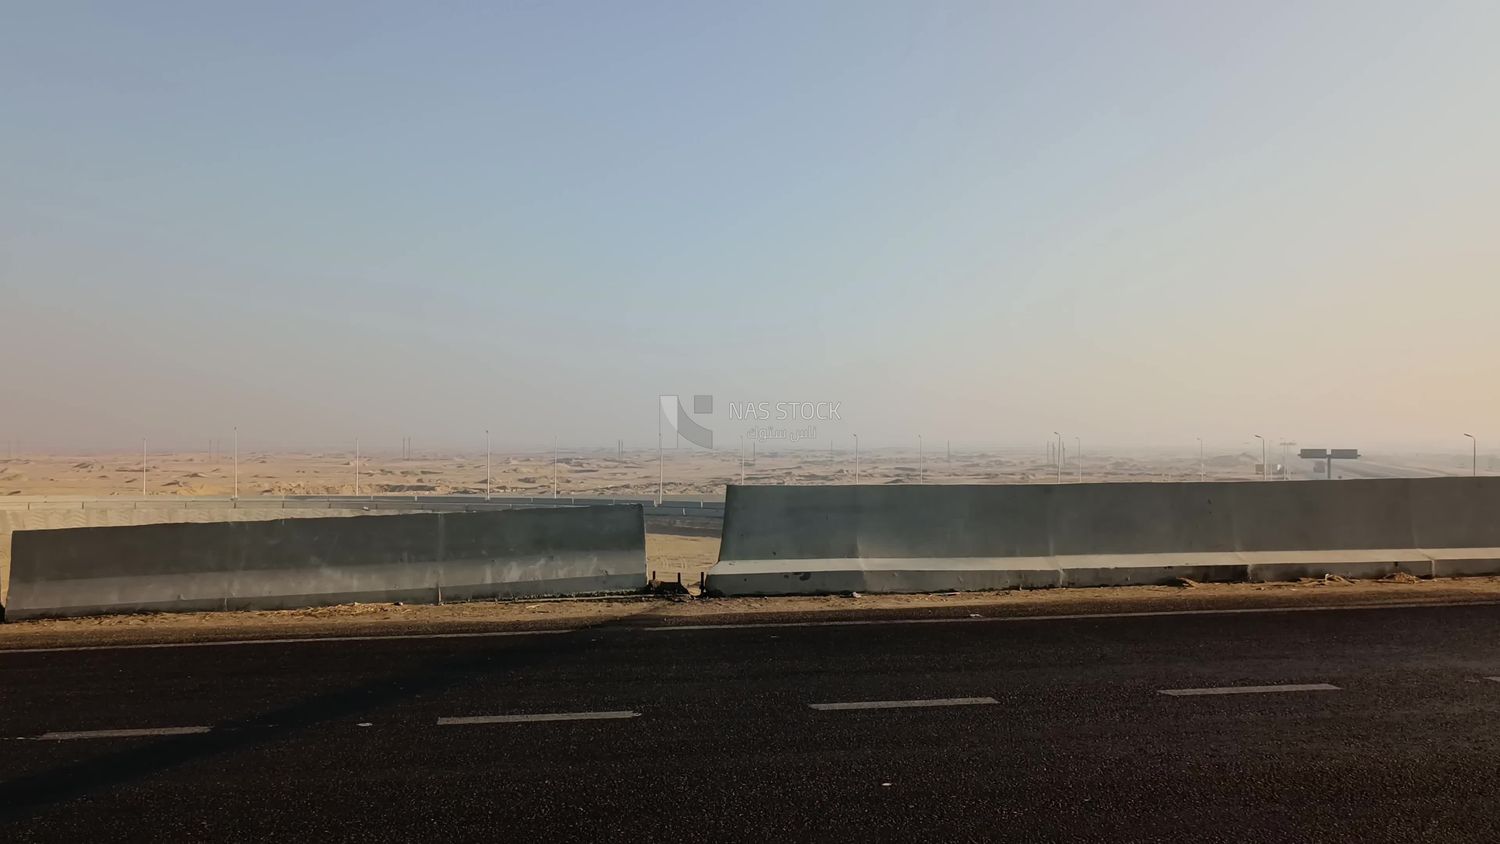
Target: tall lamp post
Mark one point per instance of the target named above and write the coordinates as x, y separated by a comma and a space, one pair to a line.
1059, 455
487, 473
1202, 475
856, 459
1262, 455
1474, 460
921, 462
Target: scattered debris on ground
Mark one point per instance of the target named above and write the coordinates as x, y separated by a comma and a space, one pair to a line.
648, 610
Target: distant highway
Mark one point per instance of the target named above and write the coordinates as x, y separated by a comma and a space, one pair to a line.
1361, 468
1368, 469
1330, 725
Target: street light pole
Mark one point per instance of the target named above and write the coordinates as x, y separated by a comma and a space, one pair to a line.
1202, 475
487, 473
1262, 455
1059, 455
1474, 464
554, 466
356, 466
143, 465
856, 459
921, 462
1078, 456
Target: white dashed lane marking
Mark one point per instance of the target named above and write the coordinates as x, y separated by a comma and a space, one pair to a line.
1251, 690
102, 734
905, 704
543, 716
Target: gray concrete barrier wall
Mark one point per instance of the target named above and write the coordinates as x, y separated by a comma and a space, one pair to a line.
288, 563
78, 513
792, 540
49, 512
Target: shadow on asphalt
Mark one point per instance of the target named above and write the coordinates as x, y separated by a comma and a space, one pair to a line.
23, 797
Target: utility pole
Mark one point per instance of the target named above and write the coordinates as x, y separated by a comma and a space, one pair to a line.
1474, 459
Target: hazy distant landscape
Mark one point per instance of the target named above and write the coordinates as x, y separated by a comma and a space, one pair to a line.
635, 473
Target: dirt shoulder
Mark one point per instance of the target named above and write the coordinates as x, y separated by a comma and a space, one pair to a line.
479, 617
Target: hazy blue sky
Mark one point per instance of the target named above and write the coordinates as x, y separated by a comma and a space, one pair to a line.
1136, 222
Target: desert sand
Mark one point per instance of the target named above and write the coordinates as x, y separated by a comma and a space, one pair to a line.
686, 472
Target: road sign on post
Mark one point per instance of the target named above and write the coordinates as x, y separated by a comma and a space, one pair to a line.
1328, 456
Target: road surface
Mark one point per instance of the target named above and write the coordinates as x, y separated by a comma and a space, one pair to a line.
1361, 468
1357, 725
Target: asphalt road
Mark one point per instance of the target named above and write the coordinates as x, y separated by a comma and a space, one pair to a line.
1062, 732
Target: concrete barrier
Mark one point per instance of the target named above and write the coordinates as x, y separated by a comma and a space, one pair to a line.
77, 513
817, 540
287, 563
